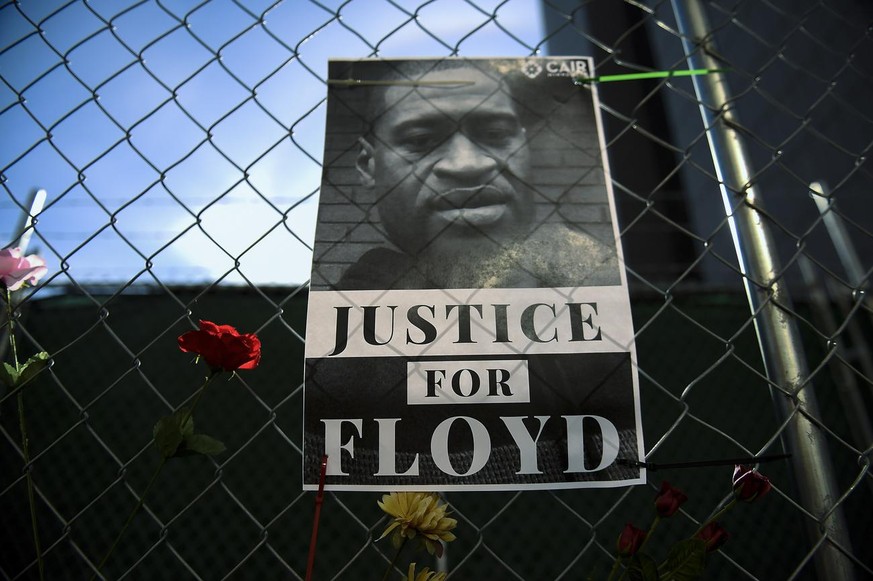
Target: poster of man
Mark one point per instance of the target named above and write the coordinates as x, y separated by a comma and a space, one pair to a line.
468, 324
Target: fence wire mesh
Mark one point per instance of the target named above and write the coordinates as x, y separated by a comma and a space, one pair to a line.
180, 147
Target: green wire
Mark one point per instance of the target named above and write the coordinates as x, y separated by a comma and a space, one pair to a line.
649, 75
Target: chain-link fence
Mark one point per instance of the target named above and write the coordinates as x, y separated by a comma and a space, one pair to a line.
180, 147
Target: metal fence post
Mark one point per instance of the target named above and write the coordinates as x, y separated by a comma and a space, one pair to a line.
777, 331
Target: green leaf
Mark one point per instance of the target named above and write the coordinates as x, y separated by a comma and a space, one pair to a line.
168, 436
643, 568
12, 378
169, 433
188, 428
8, 375
200, 444
33, 366
685, 561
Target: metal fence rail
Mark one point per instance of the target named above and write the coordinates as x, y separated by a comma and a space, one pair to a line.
180, 147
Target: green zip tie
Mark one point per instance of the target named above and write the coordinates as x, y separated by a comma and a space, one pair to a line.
649, 75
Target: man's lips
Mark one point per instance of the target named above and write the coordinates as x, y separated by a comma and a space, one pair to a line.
473, 197
476, 206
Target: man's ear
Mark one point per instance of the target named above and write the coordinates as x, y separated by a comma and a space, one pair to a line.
366, 164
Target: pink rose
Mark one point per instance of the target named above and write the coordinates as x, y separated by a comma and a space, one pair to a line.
15, 270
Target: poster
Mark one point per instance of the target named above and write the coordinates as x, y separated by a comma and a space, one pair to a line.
468, 325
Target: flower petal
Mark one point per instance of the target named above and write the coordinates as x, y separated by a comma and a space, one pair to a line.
222, 346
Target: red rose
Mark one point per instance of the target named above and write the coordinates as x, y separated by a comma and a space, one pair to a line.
749, 484
222, 346
714, 535
669, 500
630, 540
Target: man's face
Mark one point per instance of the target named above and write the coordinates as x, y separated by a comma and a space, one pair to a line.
449, 165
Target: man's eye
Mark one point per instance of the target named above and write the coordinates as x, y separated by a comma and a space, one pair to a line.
420, 141
497, 135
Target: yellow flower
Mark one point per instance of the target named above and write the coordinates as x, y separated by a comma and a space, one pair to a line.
418, 514
424, 575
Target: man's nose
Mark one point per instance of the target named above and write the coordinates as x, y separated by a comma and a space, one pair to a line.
464, 160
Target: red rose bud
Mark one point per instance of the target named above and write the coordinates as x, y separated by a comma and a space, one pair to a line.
222, 346
669, 500
630, 540
749, 484
714, 535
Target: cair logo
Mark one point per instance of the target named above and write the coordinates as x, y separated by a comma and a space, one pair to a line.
532, 69
556, 68
567, 68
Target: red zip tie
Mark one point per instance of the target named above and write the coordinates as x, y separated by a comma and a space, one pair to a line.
319, 500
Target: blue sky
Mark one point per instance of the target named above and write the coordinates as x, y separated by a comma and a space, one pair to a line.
175, 137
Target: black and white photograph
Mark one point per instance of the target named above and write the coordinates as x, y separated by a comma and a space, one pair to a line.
461, 173
468, 323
